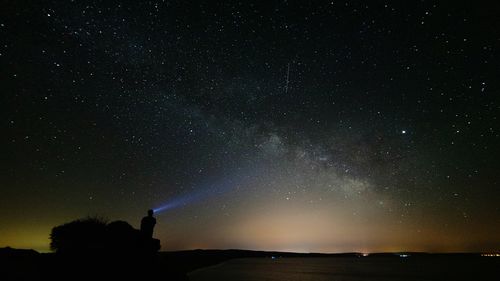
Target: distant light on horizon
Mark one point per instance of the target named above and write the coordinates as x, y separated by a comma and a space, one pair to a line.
491, 255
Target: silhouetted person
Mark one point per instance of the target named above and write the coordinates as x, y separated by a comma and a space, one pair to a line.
148, 224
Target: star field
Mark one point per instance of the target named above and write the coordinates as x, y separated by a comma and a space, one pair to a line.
329, 126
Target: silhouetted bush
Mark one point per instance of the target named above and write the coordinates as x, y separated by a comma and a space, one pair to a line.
79, 235
91, 235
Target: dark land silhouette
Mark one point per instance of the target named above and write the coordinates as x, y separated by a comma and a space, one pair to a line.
30, 265
92, 249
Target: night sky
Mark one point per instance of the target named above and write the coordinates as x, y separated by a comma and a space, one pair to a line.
324, 126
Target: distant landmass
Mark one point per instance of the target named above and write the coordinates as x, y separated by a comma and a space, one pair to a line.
21, 264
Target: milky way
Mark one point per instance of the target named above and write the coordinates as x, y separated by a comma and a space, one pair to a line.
328, 127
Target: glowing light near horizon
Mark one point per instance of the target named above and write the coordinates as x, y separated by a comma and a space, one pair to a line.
490, 255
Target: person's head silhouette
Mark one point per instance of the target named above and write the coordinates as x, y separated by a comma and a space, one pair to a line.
150, 213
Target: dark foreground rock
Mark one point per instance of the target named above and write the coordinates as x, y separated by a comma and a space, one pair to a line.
89, 266
91, 235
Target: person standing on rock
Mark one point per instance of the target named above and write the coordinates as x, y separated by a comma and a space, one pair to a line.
148, 224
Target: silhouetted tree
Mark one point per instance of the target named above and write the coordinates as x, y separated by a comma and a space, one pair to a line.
80, 235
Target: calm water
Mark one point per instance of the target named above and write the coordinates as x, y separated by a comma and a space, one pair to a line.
350, 269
